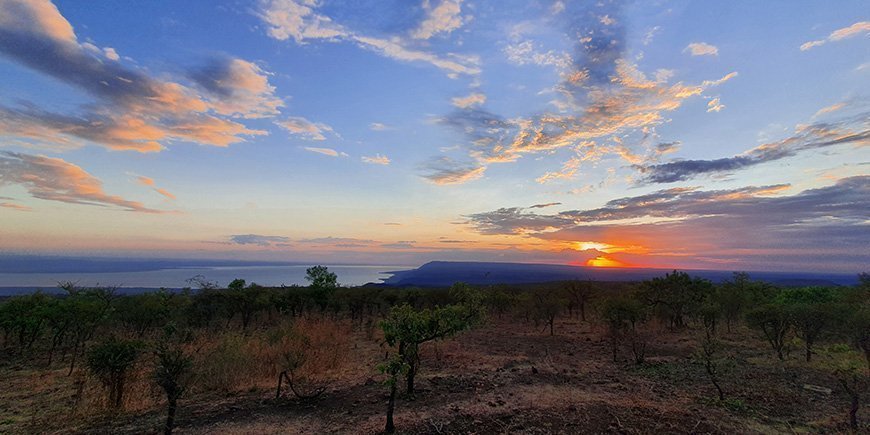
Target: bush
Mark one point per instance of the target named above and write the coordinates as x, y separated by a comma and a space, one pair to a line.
110, 361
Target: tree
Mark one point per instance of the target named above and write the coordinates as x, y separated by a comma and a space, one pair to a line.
622, 315
772, 319
247, 301
676, 296
547, 305
732, 296
110, 361
407, 328
393, 368
579, 294
323, 283
710, 345
25, 318
173, 371
810, 311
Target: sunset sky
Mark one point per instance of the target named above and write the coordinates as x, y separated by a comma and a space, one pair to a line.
714, 135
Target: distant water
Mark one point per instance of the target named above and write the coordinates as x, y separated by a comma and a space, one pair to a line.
177, 277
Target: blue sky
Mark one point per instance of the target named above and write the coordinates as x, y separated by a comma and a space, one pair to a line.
668, 134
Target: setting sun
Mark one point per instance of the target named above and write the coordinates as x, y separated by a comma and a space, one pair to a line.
605, 262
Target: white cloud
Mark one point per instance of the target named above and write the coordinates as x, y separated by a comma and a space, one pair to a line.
474, 99
297, 19
326, 151
859, 28
376, 160
524, 53
377, 126
111, 54
715, 105
701, 49
443, 18
304, 128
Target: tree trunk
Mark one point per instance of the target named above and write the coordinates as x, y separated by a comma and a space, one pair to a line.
583, 311
170, 416
412, 372
391, 405
280, 379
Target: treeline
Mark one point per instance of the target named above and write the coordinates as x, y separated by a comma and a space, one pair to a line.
109, 334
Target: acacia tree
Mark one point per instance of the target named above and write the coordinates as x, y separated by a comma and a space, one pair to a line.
173, 371
110, 361
547, 305
622, 315
579, 294
710, 345
811, 312
406, 328
773, 321
676, 296
323, 284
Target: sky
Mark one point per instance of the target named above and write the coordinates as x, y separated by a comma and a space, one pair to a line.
673, 134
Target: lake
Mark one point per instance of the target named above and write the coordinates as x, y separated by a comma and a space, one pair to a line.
177, 277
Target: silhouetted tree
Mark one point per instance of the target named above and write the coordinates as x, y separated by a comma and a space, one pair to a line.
110, 361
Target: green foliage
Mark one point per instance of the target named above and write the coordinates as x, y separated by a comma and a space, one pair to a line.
407, 328
25, 317
773, 320
173, 370
110, 361
321, 278
323, 283
676, 296
622, 315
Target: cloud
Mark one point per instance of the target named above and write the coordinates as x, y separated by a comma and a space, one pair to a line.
376, 160
600, 96
859, 28
714, 105
111, 54
55, 179
402, 244
241, 88
568, 172
146, 181
339, 242
515, 220
298, 19
393, 48
650, 35
524, 53
377, 126
701, 49
443, 18
304, 128
854, 131
259, 240
752, 228
474, 99
545, 205
14, 206
718, 82
132, 111
829, 109
326, 151
444, 170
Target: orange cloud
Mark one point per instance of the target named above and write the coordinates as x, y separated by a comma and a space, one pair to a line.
146, 181
55, 179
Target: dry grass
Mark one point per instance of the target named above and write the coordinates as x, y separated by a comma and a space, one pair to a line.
505, 377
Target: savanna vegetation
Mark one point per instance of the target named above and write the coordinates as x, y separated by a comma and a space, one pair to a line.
672, 354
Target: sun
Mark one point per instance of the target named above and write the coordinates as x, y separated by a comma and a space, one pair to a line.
604, 262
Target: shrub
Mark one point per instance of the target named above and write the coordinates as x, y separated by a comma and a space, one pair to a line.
110, 361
